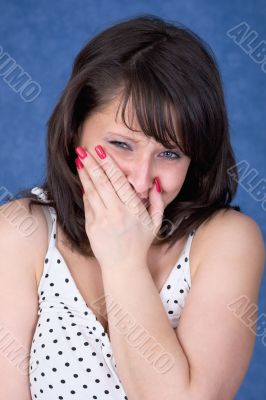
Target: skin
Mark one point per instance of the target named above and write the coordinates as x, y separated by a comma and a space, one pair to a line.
154, 158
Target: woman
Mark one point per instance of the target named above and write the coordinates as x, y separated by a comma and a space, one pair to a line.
117, 303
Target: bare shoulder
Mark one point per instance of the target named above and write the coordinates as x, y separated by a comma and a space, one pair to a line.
22, 235
25, 230
226, 284
233, 232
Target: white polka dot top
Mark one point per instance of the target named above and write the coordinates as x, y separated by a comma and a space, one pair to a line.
71, 355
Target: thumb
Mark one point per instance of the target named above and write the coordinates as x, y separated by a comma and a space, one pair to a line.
156, 208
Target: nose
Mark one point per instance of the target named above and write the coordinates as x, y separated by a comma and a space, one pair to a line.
141, 178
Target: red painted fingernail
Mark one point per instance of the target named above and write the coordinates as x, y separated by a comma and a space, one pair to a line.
81, 152
100, 151
157, 183
79, 164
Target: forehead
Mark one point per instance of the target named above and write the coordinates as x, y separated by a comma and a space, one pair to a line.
112, 112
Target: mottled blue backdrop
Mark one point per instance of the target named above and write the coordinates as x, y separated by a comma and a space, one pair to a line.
42, 38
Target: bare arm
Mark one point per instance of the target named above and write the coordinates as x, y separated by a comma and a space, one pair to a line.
18, 301
212, 347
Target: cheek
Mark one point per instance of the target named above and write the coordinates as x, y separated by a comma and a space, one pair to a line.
120, 162
173, 182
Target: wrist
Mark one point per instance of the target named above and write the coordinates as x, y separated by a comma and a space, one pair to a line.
124, 265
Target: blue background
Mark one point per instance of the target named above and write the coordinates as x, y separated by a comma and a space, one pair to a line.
44, 37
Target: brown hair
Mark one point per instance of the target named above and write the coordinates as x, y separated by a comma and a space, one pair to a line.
173, 80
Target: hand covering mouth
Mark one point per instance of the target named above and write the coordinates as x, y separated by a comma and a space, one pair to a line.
145, 202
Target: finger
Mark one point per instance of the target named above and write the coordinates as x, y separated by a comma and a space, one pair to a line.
119, 182
156, 209
99, 178
91, 195
88, 211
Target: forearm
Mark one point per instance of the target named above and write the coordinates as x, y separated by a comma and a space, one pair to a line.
149, 358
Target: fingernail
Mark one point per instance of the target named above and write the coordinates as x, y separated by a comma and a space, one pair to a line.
157, 183
81, 152
79, 164
100, 151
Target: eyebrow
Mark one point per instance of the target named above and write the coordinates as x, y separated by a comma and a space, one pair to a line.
124, 137
137, 141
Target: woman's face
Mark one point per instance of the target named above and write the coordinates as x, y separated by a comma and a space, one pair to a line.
141, 159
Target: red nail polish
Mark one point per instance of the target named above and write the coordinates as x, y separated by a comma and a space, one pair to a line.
158, 186
79, 164
81, 152
100, 151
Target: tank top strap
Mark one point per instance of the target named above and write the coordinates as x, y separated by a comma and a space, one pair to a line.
48, 219
49, 212
186, 257
188, 244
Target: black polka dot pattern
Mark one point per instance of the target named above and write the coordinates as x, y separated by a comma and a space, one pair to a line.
71, 354
177, 285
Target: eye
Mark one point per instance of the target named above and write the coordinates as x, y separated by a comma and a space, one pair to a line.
118, 143
173, 152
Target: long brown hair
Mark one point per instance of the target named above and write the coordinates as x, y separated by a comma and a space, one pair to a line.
172, 79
